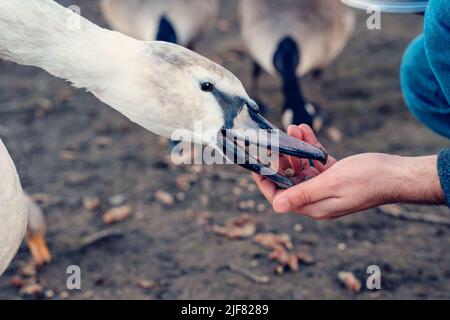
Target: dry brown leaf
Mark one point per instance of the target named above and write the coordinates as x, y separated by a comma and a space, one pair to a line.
164, 198
117, 215
350, 281
33, 289
91, 203
202, 217
16, 281
184, 181
67, 155
274, 241
146, 284
28, 269
241, 227
305, 258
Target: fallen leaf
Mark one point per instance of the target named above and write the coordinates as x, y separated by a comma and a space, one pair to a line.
31, 290
305, 258
274, 241
116, 215
147, 284
164, 198
237, 228
91, 203
16, 281
350, 281
67, 155
184, 181
28, 269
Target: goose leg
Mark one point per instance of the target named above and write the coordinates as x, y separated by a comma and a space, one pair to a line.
256, 74
38, 248
35, 237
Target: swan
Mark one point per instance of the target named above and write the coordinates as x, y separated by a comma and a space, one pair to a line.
183, 22
13, 210
161, 86
291, 38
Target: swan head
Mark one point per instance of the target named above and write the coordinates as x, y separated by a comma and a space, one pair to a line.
184, 96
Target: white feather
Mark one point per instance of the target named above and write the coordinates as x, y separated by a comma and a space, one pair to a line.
13, 211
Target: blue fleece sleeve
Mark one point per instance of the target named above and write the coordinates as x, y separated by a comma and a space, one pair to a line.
444, 172
437, 42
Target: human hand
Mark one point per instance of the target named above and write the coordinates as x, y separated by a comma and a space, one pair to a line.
354, 184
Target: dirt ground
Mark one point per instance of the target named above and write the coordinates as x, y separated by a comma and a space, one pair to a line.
68, 146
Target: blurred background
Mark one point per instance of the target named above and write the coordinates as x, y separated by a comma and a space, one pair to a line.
199, 232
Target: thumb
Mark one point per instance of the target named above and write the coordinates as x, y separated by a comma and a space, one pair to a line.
302, 195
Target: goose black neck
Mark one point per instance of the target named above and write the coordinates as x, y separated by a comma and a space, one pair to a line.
166, 31
286, 62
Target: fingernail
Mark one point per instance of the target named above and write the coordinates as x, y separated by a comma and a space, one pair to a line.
282, 205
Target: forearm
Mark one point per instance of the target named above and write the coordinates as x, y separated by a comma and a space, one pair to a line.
415, 180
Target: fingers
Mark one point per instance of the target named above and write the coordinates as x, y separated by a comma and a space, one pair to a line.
267, 187
302, 195
310, 137
297, 164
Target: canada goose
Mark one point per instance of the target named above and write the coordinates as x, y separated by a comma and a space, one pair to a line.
161, 86
291, 38
13, 210
182, 22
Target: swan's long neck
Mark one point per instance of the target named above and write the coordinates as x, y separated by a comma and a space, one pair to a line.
44, 34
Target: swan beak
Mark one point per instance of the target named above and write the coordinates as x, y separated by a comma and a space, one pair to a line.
251, 128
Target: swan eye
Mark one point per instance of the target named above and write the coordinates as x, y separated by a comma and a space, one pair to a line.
207, 87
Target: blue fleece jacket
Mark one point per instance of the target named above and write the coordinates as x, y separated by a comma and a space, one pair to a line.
425, 79
444, 172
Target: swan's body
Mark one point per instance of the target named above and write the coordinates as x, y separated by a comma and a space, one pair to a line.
180, 21
290, 38
13, 210
160, 86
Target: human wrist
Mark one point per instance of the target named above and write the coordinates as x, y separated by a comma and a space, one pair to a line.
415, 180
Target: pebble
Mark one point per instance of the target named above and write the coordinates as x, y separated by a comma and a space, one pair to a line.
118, 200
334, 134
49, 294
147, 284
254, 263
164, 198
350, 281
204, 200
91, 203
103, 141
117, 215
31, 290
298, 227
67, 155
28, 269
16, 281
237, 191
184, 181
181, 196
261, 207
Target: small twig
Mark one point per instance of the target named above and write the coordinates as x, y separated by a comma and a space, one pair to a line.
96, 237
396, 212
249, 274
